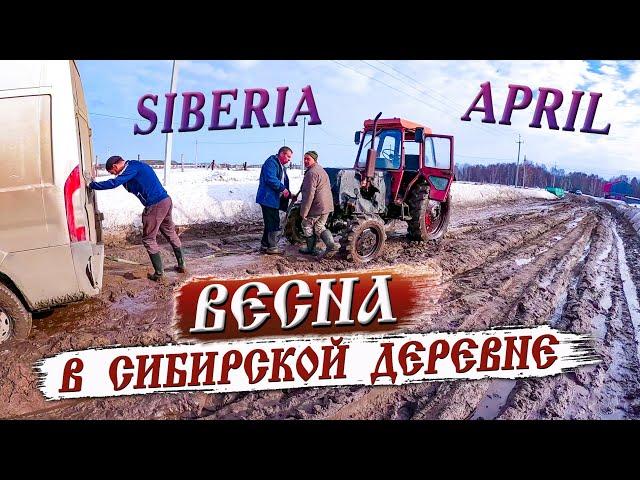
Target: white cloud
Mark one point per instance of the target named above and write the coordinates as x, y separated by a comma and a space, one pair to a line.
203, 69
244, 64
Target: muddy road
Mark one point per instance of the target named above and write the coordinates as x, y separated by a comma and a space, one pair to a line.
571, 263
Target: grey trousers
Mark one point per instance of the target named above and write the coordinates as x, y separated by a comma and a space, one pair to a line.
311, 225
158, 218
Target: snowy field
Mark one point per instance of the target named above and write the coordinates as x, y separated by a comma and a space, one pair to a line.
201, 196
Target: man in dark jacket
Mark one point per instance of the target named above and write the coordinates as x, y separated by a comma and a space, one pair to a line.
140, 179
317, 204
273, 196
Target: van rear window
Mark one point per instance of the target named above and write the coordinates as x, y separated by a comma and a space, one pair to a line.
25, 141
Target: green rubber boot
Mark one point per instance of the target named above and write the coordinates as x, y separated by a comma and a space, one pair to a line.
156, 261
311, 245
332, 248
180, 258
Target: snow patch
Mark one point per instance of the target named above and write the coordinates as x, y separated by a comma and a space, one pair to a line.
229, 196
523, 261
629, 289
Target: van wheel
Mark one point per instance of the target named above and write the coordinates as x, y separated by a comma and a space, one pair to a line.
15, 320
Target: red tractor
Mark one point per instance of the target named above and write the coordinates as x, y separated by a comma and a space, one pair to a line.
403, 172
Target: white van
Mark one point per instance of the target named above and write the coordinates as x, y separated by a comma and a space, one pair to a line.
51, 250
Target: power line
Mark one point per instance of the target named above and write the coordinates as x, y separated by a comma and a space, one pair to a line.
482, 158
330, 134
544, 133
114, 116
453, 102
482, 127
389, 86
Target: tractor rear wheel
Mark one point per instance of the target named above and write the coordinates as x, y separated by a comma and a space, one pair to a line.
429, 218
293, 227
364, 238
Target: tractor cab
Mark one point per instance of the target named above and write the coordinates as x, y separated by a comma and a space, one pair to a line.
405, 152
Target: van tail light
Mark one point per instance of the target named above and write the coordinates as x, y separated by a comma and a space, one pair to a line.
74, 207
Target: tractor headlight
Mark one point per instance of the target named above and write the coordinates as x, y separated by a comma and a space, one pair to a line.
438, 183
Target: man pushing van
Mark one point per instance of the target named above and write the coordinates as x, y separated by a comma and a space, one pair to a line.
140, 180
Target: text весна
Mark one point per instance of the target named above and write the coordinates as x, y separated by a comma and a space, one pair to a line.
376, 303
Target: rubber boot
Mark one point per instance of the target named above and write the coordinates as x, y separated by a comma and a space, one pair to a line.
180, 258
332, 248
264, 243
273, 238
311, 245
156, 261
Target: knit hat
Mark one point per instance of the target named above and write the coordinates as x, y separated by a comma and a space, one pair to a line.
313, 154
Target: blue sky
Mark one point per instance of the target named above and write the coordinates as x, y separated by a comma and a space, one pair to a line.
434, 93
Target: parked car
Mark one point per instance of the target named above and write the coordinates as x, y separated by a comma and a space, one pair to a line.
51, 250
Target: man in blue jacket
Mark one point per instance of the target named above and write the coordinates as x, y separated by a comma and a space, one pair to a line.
273, 196
140, 179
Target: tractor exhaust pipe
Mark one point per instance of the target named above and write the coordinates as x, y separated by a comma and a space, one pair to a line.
372, 155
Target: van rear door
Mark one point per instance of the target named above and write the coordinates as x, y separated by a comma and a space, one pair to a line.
94, 216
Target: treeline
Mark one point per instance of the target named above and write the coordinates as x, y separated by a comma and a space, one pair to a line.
536, 175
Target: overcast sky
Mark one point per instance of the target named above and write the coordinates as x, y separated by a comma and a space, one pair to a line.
434, 93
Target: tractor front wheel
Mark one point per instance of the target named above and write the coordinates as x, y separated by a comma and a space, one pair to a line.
429, 218
293, 226
364, 238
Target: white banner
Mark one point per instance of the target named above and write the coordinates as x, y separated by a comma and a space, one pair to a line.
296, 362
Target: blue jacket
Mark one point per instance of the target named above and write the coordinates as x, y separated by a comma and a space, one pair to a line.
270, 185
138, 178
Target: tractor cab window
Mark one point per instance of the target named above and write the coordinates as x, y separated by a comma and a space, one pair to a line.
411, 155
388, 143
437, 153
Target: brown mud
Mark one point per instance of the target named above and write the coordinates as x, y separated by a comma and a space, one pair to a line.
522, 263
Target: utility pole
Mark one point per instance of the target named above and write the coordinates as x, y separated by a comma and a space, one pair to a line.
182, 162
196, 153
555, 168
169, 138
304, 125
515, 184
524, 170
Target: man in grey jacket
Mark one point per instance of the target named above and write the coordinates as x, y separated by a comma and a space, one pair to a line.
317, 204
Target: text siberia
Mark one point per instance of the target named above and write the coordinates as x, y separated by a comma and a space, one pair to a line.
193, 103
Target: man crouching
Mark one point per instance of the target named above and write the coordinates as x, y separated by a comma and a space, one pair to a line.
317, 204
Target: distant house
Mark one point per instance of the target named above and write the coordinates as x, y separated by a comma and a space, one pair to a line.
617, 190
